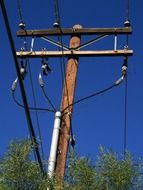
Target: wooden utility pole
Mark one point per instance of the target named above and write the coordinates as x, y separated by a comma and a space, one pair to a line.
73, 53
67, 99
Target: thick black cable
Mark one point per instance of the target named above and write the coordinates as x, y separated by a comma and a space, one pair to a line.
126, 81
31, 81
125, 115
28, 117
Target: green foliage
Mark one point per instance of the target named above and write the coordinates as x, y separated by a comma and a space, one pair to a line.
18, 172
81, 174
109, 173
114, 173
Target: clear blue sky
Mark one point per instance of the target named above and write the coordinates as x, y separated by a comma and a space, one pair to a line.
99, 121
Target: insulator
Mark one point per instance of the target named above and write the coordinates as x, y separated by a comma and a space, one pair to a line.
14, 84
22, 25
72, 141
41, 83
45, 69
125, 66
22, 72
56, 25
124, 69
127, 23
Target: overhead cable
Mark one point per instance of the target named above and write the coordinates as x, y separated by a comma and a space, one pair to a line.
57, 24
116, 83
30, 108
41, 83
125, 115
24, 66
28, 117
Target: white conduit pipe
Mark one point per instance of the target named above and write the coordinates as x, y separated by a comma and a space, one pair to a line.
115, 43
54, 144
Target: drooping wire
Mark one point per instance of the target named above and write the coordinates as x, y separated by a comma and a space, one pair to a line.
118, 82
89, 96
30, 108
31, 81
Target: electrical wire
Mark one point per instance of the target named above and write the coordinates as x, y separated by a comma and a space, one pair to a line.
128, 10
36, 112
30, 108
62, 59
28, 117
60, 38
89, 96
56, 11
96, 93
126, 81
31, 81
48, 99
19, 10
125, 115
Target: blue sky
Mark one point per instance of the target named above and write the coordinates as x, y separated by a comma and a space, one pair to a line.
99, 121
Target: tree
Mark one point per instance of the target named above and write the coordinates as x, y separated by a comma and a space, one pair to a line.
110, 172
81, 174
18, 171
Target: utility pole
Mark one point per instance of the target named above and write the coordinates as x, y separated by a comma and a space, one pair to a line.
73, 53
67, 99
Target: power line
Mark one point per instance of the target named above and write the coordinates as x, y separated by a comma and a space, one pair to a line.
36, 112
89, 96
62, 60
31, 80
30, 108
19, 10
48, 99
28, 117
57, 14
128, 10
125, 115
127, 24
